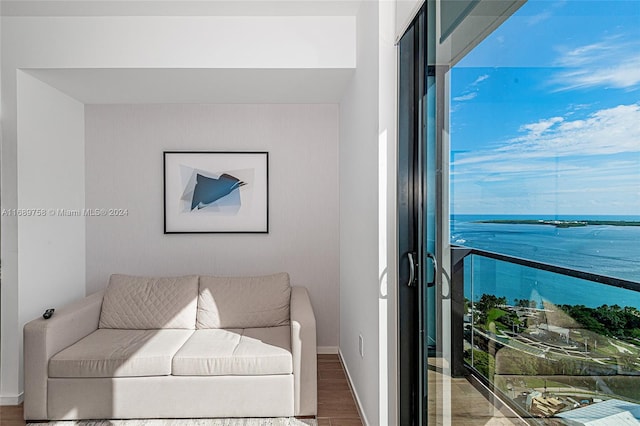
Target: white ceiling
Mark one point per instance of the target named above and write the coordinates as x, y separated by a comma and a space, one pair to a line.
191, 85
136, 86
179, 7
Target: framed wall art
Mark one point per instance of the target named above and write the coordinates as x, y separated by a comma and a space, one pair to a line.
216, 192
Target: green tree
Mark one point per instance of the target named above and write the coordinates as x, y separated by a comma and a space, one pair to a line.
486, 303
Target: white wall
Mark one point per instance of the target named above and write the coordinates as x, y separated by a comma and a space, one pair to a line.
359, 256
387, 220
124, 145
294, 42
368, 230
51, 262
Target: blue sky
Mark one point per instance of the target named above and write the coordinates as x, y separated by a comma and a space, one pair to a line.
545, 113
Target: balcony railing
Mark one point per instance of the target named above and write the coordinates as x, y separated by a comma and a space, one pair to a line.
548, 340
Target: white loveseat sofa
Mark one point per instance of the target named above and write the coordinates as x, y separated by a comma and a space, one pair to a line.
185, 347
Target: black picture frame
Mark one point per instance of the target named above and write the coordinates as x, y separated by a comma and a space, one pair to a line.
216, 192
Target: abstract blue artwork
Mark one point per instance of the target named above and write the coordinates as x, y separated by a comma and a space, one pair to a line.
214, 190
209, 192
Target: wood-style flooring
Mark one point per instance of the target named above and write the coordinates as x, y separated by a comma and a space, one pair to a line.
11, 415
336, 404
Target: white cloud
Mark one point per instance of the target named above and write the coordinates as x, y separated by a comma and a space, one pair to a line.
466, 97
620, 76
545, 14
472, 90
583, 55
602, 187
480, 79
607, 131
610, 63
541, 126
590, 163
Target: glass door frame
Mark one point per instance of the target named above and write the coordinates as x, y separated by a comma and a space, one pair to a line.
408, 244
420, 220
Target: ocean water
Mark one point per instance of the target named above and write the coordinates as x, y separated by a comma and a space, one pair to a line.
607, 250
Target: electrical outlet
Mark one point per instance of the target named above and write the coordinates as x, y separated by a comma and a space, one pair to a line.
361, 345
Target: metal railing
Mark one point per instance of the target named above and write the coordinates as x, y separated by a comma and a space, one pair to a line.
459, 253
540, 342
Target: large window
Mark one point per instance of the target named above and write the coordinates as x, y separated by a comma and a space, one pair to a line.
545, 137
545, 167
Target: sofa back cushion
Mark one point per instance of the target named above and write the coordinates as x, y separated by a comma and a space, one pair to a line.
244, 302
146, 303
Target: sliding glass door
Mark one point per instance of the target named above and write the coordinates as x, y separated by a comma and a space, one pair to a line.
418, 236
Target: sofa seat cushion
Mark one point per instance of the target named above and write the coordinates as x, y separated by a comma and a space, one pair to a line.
120, 353
240, 352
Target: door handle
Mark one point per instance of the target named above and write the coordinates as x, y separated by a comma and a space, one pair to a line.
435, 269
435, 272
412, 269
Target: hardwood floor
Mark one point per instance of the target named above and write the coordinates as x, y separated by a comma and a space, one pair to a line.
336, 404
11, 415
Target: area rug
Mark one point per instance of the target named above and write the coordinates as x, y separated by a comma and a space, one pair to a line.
280, 421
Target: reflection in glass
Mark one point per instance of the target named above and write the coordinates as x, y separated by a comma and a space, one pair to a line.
551, 343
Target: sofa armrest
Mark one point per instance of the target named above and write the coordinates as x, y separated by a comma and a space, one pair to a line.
45, 338
304, 350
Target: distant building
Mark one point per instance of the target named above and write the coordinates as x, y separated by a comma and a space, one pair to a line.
543, 406
606, 413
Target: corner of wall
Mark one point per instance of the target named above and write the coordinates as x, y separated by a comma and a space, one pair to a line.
360, 277
50, 193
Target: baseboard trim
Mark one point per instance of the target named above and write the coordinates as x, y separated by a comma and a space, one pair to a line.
12, 400
353, 390
327, 350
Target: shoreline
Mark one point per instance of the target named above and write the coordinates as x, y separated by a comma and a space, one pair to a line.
561, 223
